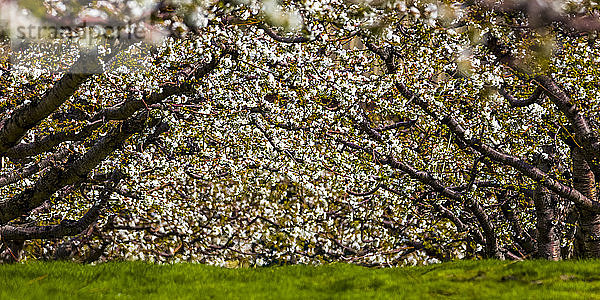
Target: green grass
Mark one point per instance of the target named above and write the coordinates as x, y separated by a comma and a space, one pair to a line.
460, 280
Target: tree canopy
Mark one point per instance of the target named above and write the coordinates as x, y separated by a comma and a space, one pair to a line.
262, 132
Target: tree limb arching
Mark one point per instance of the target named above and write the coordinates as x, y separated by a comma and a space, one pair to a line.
584, 137
291, 40
66, 227
57, 178
506, 159
533, 98
14, 127
523, 167
427, 179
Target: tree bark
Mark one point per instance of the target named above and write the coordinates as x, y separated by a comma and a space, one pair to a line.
548, 244
13, 128
589, 221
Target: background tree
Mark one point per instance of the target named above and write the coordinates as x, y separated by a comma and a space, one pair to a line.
263, 133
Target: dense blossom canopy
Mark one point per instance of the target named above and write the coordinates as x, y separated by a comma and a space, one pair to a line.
264, 132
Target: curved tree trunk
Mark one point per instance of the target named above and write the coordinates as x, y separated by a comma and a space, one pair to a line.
589, 222
548, 244
548, 241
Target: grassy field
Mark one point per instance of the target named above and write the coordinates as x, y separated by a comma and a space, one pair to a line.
460, 280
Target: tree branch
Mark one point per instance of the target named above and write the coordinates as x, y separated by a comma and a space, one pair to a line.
14, 127
56, 178
428, 179
49, 142
32, 169
534, 98
66, 227
523, 167
282, 39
